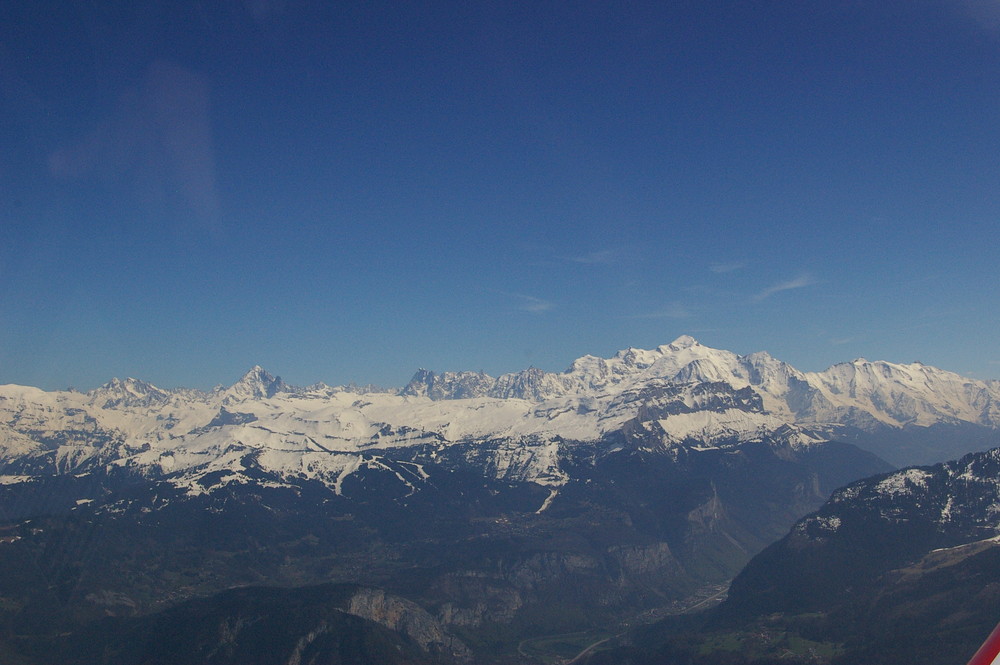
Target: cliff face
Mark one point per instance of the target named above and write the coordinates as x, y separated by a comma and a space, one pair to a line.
408, 618
253, 626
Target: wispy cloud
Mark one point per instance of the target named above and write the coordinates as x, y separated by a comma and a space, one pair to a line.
841, 341
985, 12
532, 304
799, 282
599, 257
674, 310
160, 135
727, 267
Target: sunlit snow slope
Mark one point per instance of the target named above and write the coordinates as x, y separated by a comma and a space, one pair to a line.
681, 393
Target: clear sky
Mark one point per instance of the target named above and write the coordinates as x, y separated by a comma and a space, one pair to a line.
347, 191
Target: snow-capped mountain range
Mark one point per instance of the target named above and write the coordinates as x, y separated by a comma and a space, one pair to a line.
859, 393
516, 425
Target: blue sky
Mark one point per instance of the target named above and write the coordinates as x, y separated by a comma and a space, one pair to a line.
349, 191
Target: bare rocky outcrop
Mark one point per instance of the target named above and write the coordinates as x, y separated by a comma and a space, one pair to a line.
407, 617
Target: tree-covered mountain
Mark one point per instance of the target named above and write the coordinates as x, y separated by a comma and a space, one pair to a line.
899, 568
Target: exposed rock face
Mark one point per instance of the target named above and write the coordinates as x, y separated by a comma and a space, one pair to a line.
408, 618
240, 626
475, 599
257, 383
449, 385
641, 560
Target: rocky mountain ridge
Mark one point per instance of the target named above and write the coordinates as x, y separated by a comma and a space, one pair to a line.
687, 393
858, 393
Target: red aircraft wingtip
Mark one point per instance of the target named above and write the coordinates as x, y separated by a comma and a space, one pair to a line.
989, 653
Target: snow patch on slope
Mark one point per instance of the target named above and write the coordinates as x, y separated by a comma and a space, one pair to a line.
903, 482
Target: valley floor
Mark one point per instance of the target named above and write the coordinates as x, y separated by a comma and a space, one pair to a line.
571, 648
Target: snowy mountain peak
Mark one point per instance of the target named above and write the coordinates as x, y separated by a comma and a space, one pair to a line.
257, 383
683, 342
128, 392
762, 358
903, 395
127, 385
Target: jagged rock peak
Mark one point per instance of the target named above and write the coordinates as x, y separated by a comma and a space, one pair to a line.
420, 385
257, 383
448, 385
